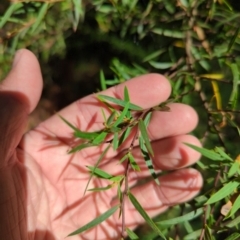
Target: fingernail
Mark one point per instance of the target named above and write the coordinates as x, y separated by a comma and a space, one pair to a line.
17, 57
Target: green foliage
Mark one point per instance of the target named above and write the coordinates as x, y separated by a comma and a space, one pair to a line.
186, 217
115, 127
96, 221
140, 209
195, 44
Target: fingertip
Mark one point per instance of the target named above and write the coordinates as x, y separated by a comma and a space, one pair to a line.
173, 153
188, 178
180, 119
25, 77
146, 90
192, 155
18, 56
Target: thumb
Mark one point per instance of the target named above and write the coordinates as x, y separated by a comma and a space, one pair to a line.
19, 94
25, 78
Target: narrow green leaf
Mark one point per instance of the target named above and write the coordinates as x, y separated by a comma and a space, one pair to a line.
144, 134
233, 101
108, 105
122, 115
68, 123
234, 236
80, 147
86, 135
100, 138
124, 135
233, 39
205, 64
234, 222
119, 194
170, 6
113, 82
113, 179
96, 166
169, 33
115, 141
99, 172
148, 160
40, 17
80, 134
104, 116
126, 95
154, 55
222, 153
119, 102
8, 13
206, 153
145, 216
96, 221
111, 118
186, 217
225, 191
78, 13
129, 115
188, 226
133, 163
101, 188
147, 118
132, 235
235, 208
103, 80
105, 9
161, 65
123, 158
208, 233
233, 169
114, 129
117, 178
193, 235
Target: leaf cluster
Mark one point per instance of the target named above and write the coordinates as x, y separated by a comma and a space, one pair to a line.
125, 121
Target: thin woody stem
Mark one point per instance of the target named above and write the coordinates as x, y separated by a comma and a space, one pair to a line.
126, 186
124, 194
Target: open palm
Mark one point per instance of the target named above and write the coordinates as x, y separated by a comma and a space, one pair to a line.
42, 186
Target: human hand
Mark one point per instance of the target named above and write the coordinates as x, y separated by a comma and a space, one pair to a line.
41, 186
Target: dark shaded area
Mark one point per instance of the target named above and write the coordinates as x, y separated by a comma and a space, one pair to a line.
3, 6
235, 4
77, 74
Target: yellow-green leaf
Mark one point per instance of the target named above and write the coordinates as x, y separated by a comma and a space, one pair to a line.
96, 221
225, 191
100, 138
207, 153
145, 137
99, 172
186, 217
145, 216
132, 235
119, 102
96, 165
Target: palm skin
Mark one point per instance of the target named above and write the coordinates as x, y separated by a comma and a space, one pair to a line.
42, 186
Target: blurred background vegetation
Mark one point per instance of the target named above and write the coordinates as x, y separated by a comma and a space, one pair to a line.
194, 43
